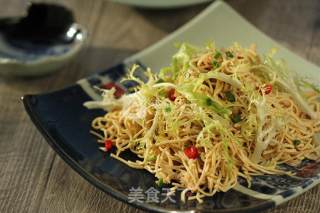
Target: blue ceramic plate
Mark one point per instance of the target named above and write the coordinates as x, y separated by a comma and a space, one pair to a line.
65, 123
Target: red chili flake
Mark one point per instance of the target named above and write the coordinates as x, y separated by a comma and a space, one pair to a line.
189, 193
267, 89
191, 152
172, 94
309, 170
119, 91
108, 144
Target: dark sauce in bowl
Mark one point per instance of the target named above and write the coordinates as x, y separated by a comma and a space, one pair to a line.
44, 26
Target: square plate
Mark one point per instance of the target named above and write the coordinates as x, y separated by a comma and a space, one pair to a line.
65, 123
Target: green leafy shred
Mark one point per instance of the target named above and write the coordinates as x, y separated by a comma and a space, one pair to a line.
160, 182
217, 55
229, 54
202, 100
215, 64
230, 97
180, 63
296, 142
167, 109
236, 118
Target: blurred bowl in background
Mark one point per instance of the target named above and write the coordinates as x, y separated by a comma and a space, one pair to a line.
40, 43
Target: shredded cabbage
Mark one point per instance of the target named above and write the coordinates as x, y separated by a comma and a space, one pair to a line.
188, 103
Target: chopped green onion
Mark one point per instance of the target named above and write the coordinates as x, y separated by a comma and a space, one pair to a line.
296, 142
160, 182
162, 93
209, 102
236, 118
167, 109
229, 54
217, 55
160, 80
215, 64
152, 158
131, 89
230, 97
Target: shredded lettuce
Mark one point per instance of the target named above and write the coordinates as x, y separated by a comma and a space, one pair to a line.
265, 132
203, 100
230, 79
287, 80
212, 112
108, 102
180, 63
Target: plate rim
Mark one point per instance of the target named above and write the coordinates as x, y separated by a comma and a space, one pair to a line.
144, 4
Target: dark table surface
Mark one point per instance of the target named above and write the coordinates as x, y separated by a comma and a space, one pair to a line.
34, 179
